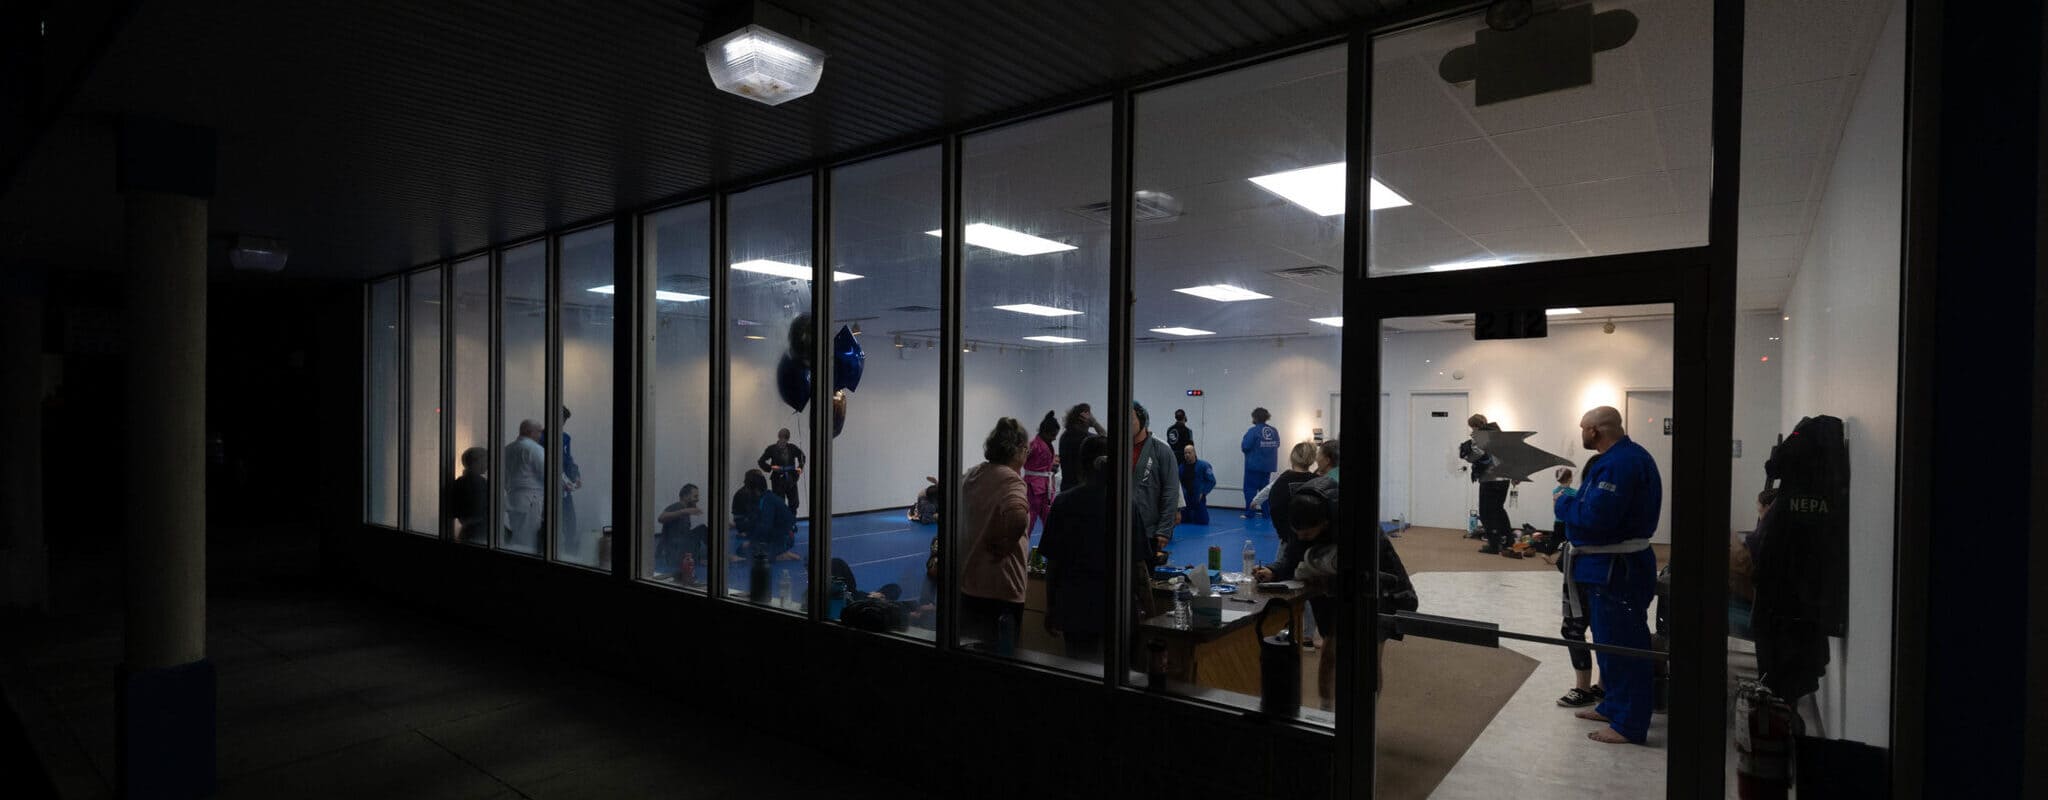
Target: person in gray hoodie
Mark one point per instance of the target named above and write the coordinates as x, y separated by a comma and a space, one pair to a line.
1155, 484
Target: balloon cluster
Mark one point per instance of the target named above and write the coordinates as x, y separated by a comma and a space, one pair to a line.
793, 372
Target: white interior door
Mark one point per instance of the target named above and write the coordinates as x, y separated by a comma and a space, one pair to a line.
1440, 490
1648, 420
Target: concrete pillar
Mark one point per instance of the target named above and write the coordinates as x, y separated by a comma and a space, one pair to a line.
24, 557
166, 744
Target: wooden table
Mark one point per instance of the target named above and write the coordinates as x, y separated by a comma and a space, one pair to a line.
1220, 653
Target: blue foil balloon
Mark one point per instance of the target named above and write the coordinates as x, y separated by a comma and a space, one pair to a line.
793, 382
847, 360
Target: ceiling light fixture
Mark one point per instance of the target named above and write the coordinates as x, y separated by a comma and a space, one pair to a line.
1037, 310
1016, 243
1474, 264
1561, 312
1223, 293
756, 338
1180, 331
659, 294
1054, 339
1334, 322
786, 270
1321, 189
753, 51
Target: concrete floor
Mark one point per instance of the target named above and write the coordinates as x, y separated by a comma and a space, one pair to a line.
324, 697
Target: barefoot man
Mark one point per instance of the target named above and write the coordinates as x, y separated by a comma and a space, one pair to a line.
1609, 523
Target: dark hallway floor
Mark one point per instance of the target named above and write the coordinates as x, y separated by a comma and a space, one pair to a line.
323, 695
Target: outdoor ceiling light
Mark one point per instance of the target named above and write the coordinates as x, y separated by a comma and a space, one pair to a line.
1321, 189
1054, 339
659, 294
1476, 264
1223, 293
1561, 312
753, 51
1180, 331
766, 267
1037, 310
1334, 322
1016, 243
258, 254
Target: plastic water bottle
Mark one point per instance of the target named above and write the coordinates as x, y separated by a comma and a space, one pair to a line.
1251, 560
784, 591
1183, 607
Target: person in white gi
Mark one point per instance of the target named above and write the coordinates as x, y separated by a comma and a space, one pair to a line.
525, 488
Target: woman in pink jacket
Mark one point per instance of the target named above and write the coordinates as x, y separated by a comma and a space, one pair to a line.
1040, 467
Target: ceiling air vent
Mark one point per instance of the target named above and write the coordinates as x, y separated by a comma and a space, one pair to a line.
1146, 206
1308, 272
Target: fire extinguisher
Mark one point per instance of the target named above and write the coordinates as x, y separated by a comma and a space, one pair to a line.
1764, 729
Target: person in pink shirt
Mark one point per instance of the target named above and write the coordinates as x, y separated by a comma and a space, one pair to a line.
1040, 467
995, 524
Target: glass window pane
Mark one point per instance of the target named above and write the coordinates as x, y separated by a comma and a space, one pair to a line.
382, 416
882, 211
523, 374
582, 531
769, 241
1236, 359
1617, 165
677, 249
469, 496
1036, 284
423, 420
1487, 471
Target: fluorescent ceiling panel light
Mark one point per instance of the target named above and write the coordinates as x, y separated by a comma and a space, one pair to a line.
766, 267
1334, 322
1561, 312
659, 294
1223, 293
1037, 310
756, 338
1054, 339
1179, 331
1321, 189
1478, 264
1016, 243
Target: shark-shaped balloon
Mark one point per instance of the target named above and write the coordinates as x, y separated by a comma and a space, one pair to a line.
1513, 456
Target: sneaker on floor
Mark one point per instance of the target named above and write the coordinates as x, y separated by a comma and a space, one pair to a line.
1580, 698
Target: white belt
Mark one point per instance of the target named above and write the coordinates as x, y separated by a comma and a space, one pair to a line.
1032, 473
1573, 603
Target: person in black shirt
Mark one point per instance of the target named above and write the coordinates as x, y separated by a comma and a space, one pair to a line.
469, 497
1077, 555
682, 531
784, 463
1080, 421
746, 504
1301, 465
1179, 436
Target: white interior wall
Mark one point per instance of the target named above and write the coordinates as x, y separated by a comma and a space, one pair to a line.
1841, 357
1293, 382
1759, 367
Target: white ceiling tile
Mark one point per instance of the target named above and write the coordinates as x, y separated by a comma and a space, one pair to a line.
1411, 109
1622, 198
1770, 248
1674, 48
1686, 133
1496, 212
1406, 255
1788, 120
1645, 233
1536, 244
1408, 224
1748, 269
1776, 181
1615, 90
1609, 147
1782, 219
1794, 41
1462, 169
1690, 188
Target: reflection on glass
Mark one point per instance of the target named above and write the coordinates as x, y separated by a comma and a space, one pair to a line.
1497, 453
583, 529
1229, 290
1615, 166
1035, 280
522, 418
382, 417
469, 493
677, 248
886, 451
769, 240
423, 411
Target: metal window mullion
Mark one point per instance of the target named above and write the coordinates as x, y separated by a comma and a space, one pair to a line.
494, 405
631, 307
369, 298
951, 250
719, 386
551, 397
1116, 656
821, 391
447, 460
403, 458
1359, 380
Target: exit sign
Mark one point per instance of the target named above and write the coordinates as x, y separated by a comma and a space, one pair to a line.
1194, 393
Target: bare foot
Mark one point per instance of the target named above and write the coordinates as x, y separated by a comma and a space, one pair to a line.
788, 557
1591, 715
1607, 736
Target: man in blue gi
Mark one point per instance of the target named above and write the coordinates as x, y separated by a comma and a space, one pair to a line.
1261, 446
1609, 523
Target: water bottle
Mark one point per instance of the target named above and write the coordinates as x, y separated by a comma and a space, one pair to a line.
1251, 560
784, 589
757, 579
1183, 607
1006, 634
1215, 558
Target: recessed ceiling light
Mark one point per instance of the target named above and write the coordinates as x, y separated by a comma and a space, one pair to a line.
1016, 243
1223, 293
756, 338
1321, 189
766, 267
1035, 309
1334, 322
1179, 331
1474, 264
659, 294
1561, 312
1054, 339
